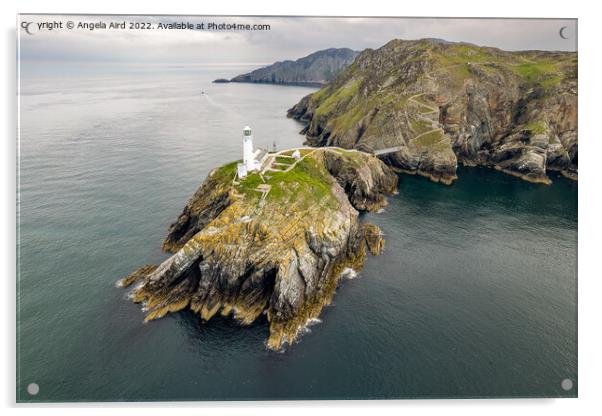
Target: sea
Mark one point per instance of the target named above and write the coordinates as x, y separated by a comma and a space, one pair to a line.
474, 296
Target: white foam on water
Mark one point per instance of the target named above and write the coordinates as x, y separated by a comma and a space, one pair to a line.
301, 331
313, 321
349, 273
132, 292
305, 328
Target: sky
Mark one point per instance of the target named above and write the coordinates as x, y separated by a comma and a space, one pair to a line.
288, 37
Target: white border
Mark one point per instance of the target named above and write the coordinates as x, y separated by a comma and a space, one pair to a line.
589, 198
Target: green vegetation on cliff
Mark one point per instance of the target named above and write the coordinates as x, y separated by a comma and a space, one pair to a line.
307, 183
428, 140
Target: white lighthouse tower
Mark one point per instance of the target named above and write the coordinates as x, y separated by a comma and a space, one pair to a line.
248, 157
252, 160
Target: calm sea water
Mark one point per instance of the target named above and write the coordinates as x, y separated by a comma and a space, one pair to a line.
474, 295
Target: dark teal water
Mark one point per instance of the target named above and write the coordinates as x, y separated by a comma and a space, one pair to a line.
474, 295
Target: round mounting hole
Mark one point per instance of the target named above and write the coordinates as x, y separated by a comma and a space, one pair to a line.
33, 389
567, 384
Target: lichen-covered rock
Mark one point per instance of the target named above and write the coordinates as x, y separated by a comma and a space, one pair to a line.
529, 164
212, 197
138, 274
242, 251
434, 104
365, 180
374, 239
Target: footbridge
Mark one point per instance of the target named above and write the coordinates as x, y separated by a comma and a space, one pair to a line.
386, 150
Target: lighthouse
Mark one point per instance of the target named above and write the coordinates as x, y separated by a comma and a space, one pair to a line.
248, 157
252, 160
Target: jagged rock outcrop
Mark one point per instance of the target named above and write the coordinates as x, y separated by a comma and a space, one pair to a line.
374, 239
428, 105
315, 69
275, 243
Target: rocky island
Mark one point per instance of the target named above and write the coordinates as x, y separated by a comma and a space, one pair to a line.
315, 69
424, 106
273, 242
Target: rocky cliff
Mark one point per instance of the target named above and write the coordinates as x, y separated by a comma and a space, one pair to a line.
274, 243
432, 104
316, 69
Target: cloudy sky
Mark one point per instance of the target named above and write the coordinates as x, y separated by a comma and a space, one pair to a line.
288, 37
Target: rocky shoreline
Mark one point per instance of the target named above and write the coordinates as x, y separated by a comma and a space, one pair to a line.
242, 252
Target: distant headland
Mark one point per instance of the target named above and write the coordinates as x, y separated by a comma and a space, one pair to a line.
314, 70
